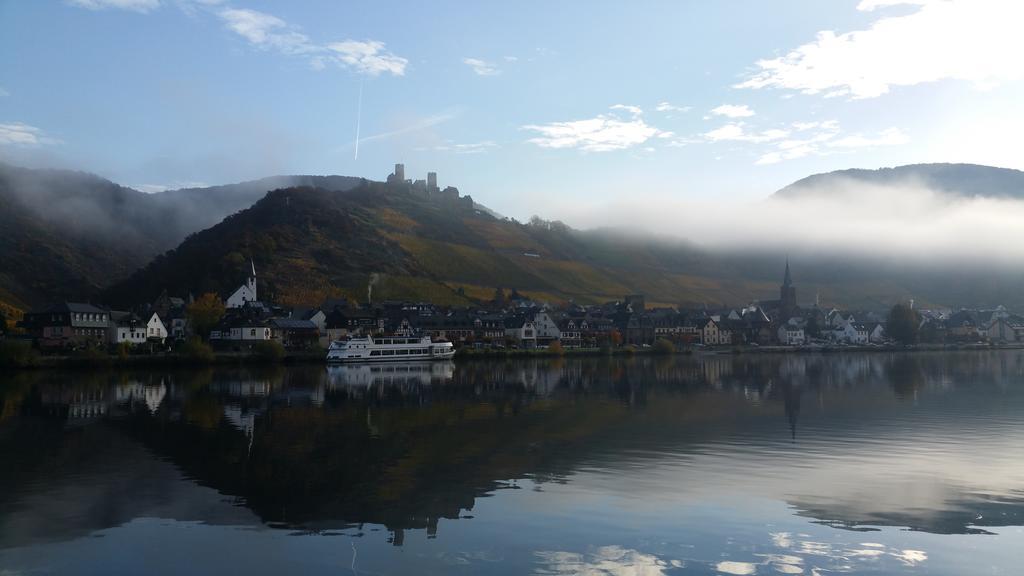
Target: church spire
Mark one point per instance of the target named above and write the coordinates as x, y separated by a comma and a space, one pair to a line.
787, 281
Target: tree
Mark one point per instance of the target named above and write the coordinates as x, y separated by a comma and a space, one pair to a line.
903, 324
615, 337
556, 348
204, 314
664, 346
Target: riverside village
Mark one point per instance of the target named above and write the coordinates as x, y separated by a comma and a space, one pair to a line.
241, 322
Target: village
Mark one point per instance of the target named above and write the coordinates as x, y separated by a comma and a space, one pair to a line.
508, 322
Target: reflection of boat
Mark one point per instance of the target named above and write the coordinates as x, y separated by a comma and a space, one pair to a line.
391, 373
395, 348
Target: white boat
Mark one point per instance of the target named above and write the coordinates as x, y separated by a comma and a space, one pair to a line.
389, 348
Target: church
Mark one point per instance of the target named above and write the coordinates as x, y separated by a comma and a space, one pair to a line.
245, 293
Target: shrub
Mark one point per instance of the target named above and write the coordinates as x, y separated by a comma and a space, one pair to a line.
269, 350
15, 354
124, 350
195, 350
629, 350
556, 348
91, 356
664, 347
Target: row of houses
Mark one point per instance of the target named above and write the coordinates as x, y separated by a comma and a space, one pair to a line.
515, 321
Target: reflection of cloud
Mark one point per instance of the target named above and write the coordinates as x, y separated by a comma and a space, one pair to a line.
605, 561
739, 568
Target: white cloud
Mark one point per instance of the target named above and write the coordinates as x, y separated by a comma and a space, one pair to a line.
24, 135
266, 31
511, 59
888, 137
633, 110
733, 111
368, 57
825, 138
133, 5
470, 148
736, 132
270, 32
603, 133
976, 41
154, 188
668, 107
481, 67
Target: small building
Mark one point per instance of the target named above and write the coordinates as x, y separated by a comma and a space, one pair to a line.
791, 335
294, 333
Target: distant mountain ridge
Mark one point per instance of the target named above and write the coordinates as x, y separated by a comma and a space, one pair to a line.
958, 179
68, 234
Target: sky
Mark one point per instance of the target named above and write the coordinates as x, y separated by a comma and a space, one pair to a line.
563, 109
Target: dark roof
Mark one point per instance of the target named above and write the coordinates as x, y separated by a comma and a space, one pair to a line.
292, 324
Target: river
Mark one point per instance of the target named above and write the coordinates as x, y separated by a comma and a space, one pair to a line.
875, 463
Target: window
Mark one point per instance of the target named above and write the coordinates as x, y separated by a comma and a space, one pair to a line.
252, 332
374, 352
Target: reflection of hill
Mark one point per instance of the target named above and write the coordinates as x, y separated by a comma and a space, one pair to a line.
844, 439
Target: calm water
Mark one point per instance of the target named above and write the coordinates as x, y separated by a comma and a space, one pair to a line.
856, 464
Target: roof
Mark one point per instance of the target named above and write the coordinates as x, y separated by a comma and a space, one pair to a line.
292, 324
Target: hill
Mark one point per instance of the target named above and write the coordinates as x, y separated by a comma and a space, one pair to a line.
956, 179
67, 234
309, 244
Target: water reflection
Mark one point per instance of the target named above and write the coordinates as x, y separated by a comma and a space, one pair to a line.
858, 442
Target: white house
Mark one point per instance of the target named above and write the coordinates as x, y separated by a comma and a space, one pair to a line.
155, 328
1006, 330
547, 329
125, 327
714, 335
852, 332
791, 335
245, 293
521, 331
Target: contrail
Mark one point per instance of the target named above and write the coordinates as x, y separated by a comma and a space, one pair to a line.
359, 116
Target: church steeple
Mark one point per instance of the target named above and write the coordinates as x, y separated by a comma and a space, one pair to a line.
787, 293
252, 281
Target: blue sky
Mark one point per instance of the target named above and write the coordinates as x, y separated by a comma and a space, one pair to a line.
551, 108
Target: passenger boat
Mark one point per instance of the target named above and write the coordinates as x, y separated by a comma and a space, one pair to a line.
389, 348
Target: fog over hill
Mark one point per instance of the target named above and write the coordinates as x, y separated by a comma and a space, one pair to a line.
944, 234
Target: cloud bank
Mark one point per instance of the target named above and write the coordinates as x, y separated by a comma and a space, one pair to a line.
975, 41
907, 220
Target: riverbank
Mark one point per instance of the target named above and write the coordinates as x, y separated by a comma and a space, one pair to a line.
31, 359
